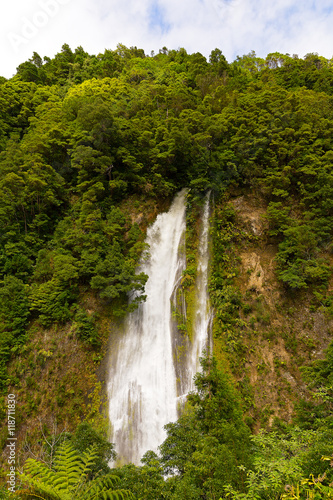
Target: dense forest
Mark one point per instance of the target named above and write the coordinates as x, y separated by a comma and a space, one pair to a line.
91, 149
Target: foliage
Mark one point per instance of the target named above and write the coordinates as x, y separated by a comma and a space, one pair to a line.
204, 448
114, 276
81, 134
311, 488
224, 292
146, 481
69, 478
319, 377
14, 315
281, 464
84, 437
85, 329
5, 494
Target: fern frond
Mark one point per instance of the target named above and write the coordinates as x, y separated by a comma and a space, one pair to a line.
26, 494
58, 483
39, 488
69, 480
35, 468
102, 483
111, 495
88, 459
38, 474
102, 488
66, 456
68, 465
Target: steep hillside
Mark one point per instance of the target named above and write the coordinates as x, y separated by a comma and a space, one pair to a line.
92, 148
280, 330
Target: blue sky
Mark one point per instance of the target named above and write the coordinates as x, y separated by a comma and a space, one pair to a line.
234, 26
157, 19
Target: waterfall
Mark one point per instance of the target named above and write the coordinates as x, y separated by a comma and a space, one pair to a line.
148, 377
142, 381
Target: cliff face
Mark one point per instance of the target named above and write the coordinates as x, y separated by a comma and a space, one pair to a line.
280, 330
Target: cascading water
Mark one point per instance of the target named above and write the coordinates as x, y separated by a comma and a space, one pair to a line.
142, 387
187, 352
203, 317
148, 377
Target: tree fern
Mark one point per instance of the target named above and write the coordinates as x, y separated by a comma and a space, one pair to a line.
70, 478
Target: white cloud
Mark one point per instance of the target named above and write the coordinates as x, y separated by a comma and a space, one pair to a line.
234, 26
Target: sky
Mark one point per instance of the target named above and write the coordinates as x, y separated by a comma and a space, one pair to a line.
236, 27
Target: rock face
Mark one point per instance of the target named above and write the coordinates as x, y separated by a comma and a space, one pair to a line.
282, 333
252, 266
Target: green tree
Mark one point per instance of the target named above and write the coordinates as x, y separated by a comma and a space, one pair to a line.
281, 463
207, 446
218, 62
146, 481
86, 436
115, 277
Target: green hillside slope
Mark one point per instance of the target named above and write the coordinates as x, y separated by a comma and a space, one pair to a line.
92, 148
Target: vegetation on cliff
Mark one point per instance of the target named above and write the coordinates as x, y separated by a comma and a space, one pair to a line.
91, 148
